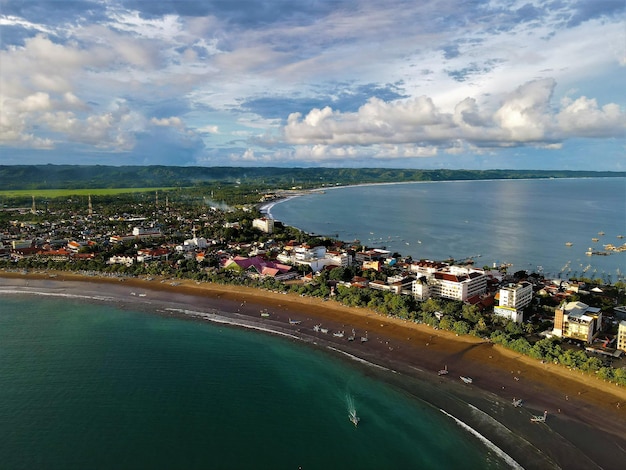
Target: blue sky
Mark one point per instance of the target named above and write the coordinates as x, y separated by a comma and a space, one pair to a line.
336, 83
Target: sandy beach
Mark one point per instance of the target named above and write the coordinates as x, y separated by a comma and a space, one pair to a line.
586, 423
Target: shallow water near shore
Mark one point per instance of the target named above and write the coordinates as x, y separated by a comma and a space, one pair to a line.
94, 386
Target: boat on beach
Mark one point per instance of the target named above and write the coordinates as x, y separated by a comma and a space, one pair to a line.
467, 380
294, 322
443, 371
517, 403
338, 334
352, 336
540, 418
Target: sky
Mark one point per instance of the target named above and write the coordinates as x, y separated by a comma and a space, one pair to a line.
456, 84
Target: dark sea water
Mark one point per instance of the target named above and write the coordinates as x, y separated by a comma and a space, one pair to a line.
89, 386
525, 223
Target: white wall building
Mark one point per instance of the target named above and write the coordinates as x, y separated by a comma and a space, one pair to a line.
458, 283
512, 300
621, 335
265, 224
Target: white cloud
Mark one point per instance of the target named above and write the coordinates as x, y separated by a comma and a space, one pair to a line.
524, 116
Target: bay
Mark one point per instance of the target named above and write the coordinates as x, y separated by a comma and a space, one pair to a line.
522, 223
89, 385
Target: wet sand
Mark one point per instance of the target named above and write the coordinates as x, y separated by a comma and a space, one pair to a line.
586, 423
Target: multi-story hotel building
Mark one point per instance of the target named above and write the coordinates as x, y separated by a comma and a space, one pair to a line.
577, 320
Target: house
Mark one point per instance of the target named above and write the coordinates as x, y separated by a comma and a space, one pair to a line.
258, 266
577, 320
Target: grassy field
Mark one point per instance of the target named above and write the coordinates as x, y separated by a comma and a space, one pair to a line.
54, 193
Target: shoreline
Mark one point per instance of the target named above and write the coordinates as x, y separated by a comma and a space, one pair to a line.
584, 423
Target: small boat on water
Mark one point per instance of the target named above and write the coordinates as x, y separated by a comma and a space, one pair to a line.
354, 419
568, 243
443, 371
540, 419
595, 239
467, 380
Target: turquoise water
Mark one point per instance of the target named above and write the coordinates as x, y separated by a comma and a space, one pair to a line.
91, 386
525, 223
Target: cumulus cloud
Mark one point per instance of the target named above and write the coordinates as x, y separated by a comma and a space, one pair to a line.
523, 117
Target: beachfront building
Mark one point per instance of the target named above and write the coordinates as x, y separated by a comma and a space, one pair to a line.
338, 258
577, 320
264, 224
420, 288
396, 284
512, 299
458, 283
621, 336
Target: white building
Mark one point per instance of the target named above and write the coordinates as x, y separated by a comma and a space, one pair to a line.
420, 288
458, 283
265, 224
337, 258
512, 299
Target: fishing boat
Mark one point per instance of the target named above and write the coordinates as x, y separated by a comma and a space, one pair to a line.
517, 403
294, 322
338, 334
540, 419
443, 371
467, 380
568, 243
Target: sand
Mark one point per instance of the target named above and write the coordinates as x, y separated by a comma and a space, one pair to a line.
586, 424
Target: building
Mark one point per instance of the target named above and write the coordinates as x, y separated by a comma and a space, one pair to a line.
577, 320
458, 283
621, 336
264, 224
512, 299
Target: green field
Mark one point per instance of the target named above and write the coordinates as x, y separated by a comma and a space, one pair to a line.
54, 193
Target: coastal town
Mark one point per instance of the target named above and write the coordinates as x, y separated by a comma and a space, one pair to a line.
577, 321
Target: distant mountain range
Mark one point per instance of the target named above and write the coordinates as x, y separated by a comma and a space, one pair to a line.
14, 177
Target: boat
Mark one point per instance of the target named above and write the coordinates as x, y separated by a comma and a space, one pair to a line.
467, 380
443, 371
568, 243
517, 403
351, 337
338, 334
364, 338
316, 328
540, 419
294, 322
265, 314
324, 330
600, 233
354, 419
595, 239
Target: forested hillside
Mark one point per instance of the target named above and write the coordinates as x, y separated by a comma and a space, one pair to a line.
13, 177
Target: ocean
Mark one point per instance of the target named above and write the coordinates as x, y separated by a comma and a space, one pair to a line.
522, 223
88, 384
